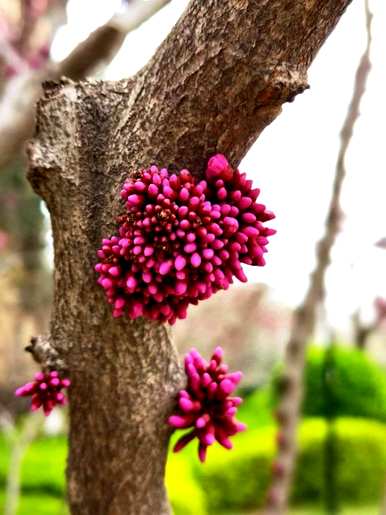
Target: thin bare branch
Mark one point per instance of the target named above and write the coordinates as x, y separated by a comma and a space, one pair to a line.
17, 106
305, 315
102, 45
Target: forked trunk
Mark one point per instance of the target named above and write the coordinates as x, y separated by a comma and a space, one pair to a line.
217, 81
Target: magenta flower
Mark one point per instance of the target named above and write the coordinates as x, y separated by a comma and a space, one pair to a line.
45, 391
206, 405
181, 240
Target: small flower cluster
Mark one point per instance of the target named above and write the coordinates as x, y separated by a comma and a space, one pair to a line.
181, 240
205, 405
45, 391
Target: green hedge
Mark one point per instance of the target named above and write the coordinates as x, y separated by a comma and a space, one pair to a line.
362, 466
235, 480
238, 480
308, 485
357, 385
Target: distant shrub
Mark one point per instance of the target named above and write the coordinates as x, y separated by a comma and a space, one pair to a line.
357, 385
308, 484
360, 461
361, 464
239, 480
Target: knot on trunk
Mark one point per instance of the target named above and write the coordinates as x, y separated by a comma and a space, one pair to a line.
284, 82
45, 354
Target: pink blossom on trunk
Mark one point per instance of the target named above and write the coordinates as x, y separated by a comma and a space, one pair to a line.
206, 405
181, 240
45, 391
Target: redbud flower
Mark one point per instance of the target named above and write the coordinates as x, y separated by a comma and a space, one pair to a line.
181, 240
206, 405
45, 391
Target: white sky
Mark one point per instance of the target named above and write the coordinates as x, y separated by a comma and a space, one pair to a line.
293, 161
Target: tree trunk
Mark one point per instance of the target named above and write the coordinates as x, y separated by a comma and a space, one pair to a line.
216, 82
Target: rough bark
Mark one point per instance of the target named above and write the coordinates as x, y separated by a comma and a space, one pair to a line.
216, 82
305, 316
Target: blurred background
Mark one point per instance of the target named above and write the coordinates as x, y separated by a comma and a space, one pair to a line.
341, 466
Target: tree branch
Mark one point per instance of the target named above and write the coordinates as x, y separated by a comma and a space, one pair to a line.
254, 73
103, 44
45, 355
305, 315
17, 107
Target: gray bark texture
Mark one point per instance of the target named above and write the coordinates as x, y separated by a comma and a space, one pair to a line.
215, 83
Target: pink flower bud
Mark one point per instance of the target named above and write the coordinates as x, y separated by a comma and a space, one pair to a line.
45, 391
217, 165
195, 260
180, 262
204, 406
134, 200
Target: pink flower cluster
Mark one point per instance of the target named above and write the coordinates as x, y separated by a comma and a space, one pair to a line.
181, 240
45, 390
205, 405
